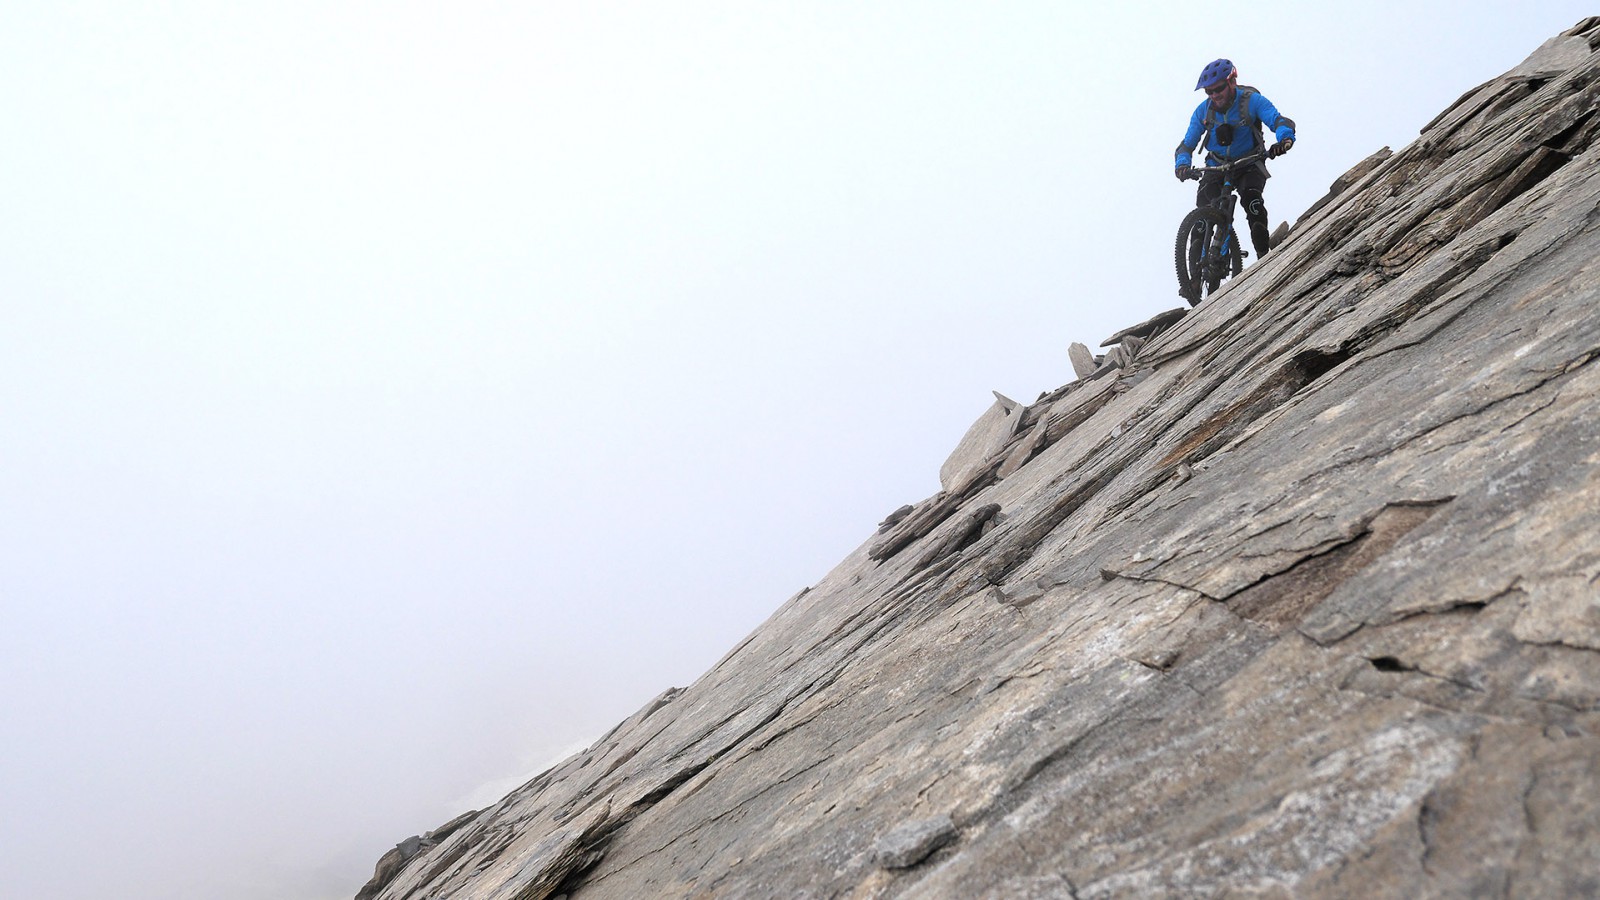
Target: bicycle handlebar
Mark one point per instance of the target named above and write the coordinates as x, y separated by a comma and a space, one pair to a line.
1224, 168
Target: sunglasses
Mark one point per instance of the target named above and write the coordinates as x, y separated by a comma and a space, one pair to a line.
1216, 89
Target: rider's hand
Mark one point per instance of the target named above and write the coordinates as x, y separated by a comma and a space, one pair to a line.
1185, 172
1280, 148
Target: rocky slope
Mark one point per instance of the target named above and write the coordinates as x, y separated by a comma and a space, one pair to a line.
1297, 594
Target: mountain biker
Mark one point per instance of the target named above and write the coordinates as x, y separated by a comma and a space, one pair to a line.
1229, 120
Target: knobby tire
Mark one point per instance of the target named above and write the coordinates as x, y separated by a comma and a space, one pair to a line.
1194, 234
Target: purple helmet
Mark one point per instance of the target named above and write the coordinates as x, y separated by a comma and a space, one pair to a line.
1218, 70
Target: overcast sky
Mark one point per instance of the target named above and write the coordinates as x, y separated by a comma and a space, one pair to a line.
396, 395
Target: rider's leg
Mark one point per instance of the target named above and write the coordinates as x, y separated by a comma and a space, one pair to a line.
1251, 185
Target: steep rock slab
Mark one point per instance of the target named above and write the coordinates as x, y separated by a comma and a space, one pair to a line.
1306, 608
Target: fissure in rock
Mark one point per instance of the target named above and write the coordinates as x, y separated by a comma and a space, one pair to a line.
1283, 600
1217, 431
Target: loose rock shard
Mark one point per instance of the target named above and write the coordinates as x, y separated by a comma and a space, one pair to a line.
912, 842
982, 440
895, 518
1083, 362
1148, 328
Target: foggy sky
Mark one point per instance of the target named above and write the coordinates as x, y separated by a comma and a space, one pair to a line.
394, 396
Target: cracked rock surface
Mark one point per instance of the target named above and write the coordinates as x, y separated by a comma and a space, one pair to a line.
1303, 600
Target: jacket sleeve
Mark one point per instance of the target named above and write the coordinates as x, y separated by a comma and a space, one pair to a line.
1282, 126
1186, 147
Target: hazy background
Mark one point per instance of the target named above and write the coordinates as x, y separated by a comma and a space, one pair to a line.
394, 396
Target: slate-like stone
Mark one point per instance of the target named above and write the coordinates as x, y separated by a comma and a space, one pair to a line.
1553, 57
912, 842
1083, 362
1109, 365
895, 518
1357, 172
985, 438
1148, 327
1024, 451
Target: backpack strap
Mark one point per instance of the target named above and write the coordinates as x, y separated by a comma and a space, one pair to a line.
1206, 127
1245, 93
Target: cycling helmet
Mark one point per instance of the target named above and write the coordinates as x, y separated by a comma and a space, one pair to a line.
1218, 70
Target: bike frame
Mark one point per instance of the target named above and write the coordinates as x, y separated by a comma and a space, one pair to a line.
1215, 260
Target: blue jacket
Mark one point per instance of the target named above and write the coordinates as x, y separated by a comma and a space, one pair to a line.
1262, 112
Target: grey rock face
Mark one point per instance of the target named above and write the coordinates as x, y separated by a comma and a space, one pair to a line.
1554, 57
1300, 603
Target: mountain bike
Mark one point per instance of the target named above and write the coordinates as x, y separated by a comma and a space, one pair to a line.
1207, 249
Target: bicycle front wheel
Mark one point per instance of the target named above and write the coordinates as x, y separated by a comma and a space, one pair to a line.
1200, 268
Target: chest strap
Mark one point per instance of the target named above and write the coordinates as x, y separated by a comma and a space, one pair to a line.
1214, 120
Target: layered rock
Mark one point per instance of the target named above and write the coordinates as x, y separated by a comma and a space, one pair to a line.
1301, 597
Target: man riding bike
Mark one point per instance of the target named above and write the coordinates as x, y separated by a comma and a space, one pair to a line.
1228, 123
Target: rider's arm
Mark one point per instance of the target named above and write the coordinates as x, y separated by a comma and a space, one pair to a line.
1282, 126
1185, 153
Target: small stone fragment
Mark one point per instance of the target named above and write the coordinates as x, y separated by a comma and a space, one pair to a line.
1114, 359
391, 864
912, 842
1022, 595
1082, 360
1148, 327
1129, 380
1160, 658
1023, 451
895, 518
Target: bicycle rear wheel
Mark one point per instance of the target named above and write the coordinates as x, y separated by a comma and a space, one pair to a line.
1200, 275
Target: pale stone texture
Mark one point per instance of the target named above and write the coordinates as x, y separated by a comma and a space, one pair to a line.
1083, 361
981, 441
1302, 604
1554, 57
912, 842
